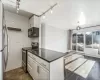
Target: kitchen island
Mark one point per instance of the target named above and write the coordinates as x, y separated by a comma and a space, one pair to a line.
44, 64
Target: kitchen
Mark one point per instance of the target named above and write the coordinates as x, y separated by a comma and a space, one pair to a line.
37, 47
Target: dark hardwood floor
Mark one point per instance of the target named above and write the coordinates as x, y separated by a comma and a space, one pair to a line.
17, 74
94, 74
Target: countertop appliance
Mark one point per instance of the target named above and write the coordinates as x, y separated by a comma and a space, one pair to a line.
33, 32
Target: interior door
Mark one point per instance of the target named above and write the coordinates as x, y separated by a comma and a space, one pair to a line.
43, 74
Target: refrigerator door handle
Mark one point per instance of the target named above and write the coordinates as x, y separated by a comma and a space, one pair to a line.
6, 61
3, 48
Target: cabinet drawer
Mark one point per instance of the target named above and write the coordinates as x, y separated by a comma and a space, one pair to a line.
30, 54
29, 69
29, 60
42, 62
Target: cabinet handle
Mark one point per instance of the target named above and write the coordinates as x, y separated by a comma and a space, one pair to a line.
33, 58
43, 64
38, 69
98, 51
34, 34
77, 77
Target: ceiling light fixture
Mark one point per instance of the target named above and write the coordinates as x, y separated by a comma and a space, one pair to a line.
44, 16
50, 9
78, 27
17, 5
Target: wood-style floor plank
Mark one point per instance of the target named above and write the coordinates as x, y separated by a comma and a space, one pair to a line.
17, 74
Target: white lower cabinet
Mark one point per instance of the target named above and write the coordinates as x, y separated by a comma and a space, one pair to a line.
43, 74
36, 70
32, 68
40, 69
29, 68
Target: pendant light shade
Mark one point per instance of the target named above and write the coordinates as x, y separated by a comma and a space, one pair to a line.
78, 27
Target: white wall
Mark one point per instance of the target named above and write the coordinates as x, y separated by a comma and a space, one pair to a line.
53, 38
17, 40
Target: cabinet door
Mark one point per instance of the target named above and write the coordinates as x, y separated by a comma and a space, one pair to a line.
43, 74
34, 70
29, 69
31, 21
36, 21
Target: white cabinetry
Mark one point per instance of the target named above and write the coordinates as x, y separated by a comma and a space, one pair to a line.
34, 21
40, 69
31, 22
32, 68
34, 71
37, 70
43, 74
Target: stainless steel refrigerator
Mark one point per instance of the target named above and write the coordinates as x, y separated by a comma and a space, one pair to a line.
3, 43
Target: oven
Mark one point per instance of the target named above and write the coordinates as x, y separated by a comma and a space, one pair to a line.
24, 60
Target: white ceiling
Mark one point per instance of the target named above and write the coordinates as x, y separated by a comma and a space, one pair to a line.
33, 6
13, 10
66, 14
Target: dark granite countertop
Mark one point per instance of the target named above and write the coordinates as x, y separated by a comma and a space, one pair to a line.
47, 55
27, 48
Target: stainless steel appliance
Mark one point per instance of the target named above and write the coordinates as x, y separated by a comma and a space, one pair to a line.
35, 45
3, 42
34, 48
33, 32
24, 59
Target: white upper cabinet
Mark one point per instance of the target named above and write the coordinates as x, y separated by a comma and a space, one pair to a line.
34, 21
31, 21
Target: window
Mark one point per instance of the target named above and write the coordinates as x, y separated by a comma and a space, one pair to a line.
74, 38
96, 39
80, 42
88, 39
74, 41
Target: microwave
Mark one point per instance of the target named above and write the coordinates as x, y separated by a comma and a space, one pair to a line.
33, 32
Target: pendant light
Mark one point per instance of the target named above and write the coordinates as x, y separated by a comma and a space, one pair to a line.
78, 27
